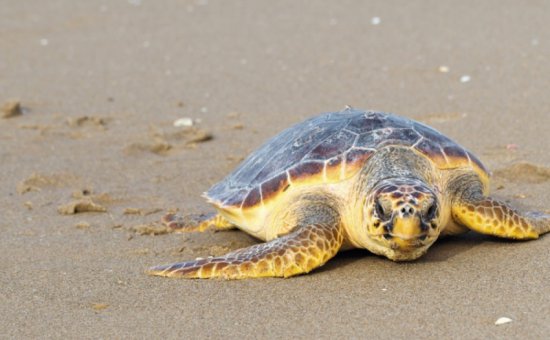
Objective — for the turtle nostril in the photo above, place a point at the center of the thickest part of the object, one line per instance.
(407, 211)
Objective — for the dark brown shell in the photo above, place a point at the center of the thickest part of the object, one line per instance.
(325, 144)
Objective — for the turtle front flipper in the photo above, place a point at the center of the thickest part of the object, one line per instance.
(196, 222)
(489, 216)
(309, 246)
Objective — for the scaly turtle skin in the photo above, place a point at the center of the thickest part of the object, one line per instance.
(350, 179)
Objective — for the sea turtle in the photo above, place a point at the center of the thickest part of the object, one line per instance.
(349, 179)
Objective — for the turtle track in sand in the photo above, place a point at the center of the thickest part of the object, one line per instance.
(524, 172)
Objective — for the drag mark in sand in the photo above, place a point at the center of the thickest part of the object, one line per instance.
(160, 142)
(442, 117)
(80, 206)
(524, 172)
(37, 182)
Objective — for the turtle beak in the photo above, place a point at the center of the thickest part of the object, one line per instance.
(407, 228)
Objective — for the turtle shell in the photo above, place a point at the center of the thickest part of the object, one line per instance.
(329, 148)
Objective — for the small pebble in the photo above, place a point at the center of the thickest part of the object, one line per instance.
(375, 21)
(502, 321)
(183, 122)
(233, 115)
(512, 147)
(11, 108)
(132, 211)
(44, 42)
(465, 79)
(99, 306)
(443, 69)
(82, 225)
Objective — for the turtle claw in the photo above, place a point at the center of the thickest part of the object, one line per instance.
(198, 269)
(157, 270)
(169, 270)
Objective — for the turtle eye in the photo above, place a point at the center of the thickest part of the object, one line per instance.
(380, 210)
(430, 214)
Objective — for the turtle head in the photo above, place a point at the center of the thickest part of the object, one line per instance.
(402, 218)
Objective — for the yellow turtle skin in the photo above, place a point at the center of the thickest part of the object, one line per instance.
(349, 179)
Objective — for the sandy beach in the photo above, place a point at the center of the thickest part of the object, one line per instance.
(94, 160)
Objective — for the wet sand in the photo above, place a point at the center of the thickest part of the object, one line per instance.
(101, 83)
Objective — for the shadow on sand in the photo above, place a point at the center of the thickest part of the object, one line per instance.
(442, 250)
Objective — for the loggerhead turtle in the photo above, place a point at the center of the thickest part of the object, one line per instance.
(350, 179)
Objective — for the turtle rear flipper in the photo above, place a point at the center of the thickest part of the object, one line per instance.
(300, 252)
(489, 216)
(316, 238)
(196, 222)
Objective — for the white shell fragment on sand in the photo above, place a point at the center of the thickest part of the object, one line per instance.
(465, 78)
(375, 21)
(183, 122)
(502, 321)
(443, 69)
